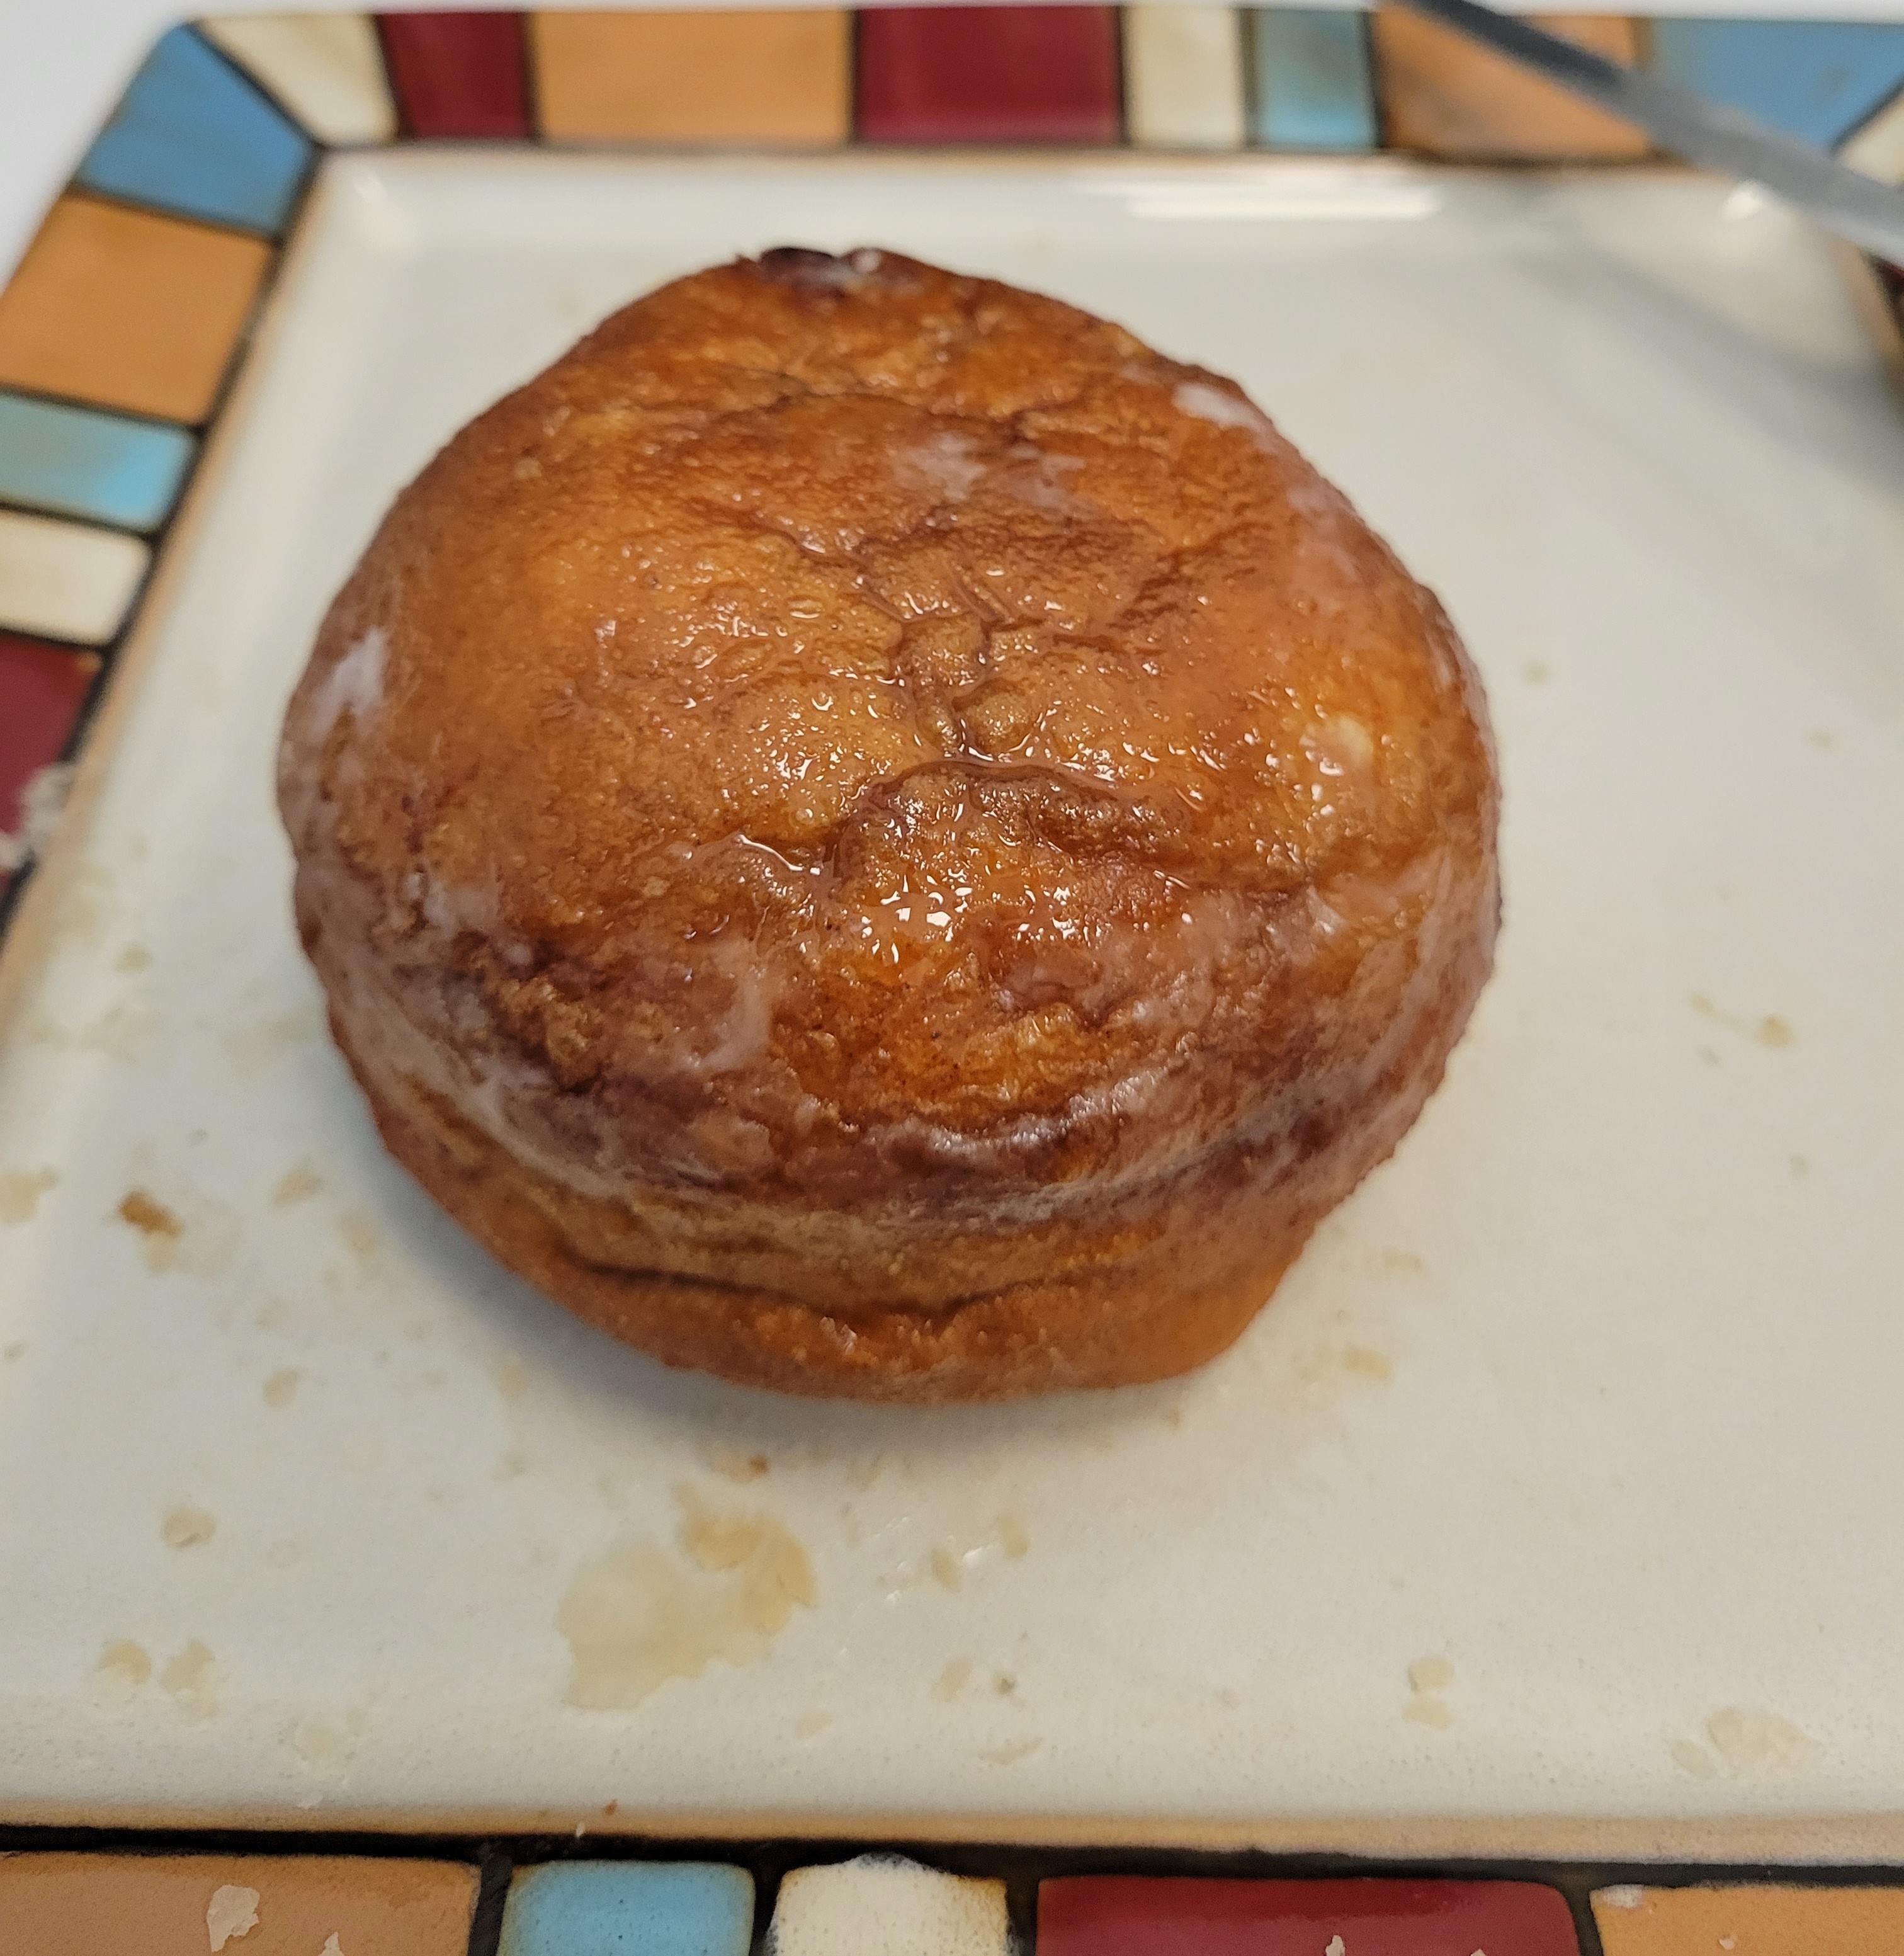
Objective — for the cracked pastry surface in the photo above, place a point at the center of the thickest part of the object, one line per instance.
(870, 833)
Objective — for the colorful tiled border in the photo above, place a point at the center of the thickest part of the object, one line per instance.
(564, 1897)
(120, 334)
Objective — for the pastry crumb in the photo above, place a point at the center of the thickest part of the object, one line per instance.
(232, 1912)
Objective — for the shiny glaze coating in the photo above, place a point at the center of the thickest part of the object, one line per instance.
(863, 799)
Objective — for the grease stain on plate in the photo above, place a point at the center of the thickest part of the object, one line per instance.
(251, 1046)
(1428, 1678)
(117, 1032)
(20, 1190)
(951, 1679)
(361, 1238)
(327, 1741)
(296, 1185)
(1772, 1031)
(191, 1680)
(635, 1615)
(953, 1557)
(123, 1667)
(736, 1463)
(1751, 1744)
(185, 1526)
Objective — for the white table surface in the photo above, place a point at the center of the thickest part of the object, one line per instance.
(66, 62)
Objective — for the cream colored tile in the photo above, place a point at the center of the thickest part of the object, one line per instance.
(67, 580)
(1877, 149)
(1183, 77)
(881, 1906)
(326, 68)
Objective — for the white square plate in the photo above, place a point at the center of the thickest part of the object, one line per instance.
(1592, 1392)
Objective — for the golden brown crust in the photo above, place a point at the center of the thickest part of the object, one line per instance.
(870, 833)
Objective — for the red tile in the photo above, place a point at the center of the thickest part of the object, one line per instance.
(41, 689)
(457, 74)
(1130, 1916)
(989, 75)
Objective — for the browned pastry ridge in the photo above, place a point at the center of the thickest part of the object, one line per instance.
(867, 833)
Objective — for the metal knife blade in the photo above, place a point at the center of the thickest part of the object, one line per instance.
(1867, 214)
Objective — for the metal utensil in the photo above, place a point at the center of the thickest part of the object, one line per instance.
(1867, 213)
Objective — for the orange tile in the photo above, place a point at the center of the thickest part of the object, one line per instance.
(761, 77)
(127, 309)
(184, 1905)
(1442, 95)
(1750, 1921)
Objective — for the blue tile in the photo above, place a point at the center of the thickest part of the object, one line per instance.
(629, 1908)
(192, 136)
(1310, 88)
(83, 463)
(1815, 80)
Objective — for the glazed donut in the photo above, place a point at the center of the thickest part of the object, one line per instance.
(870, 835)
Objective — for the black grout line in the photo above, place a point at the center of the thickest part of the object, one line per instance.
(1120, 54)
(767, 1893)
(1023, 1869)
(531, 78)
(91, 520)
(1586, 1929)
(492, 1891)
(405, 129)
(1021, 1912)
